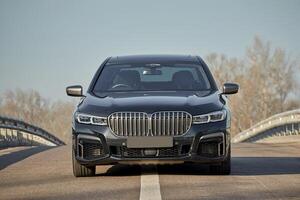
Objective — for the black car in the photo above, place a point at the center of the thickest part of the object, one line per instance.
(152, 109)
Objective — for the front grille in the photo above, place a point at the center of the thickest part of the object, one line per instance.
(131, 153)
(167, 123)
(169, 152)
(129, 123)
(139, 153)
(212, 146)
(208, 149)
(89, 149)
(170, 123)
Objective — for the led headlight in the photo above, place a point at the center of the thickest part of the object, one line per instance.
(90, 119)
(210, 117)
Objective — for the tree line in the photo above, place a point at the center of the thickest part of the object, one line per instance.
(31, 107)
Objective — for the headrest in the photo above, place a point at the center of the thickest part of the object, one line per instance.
(182, 75)
(131, 77)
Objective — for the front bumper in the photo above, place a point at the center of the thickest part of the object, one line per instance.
(94, 148)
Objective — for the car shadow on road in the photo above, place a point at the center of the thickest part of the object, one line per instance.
(241, 166)
(121, 170)
(11, 158)
(249, 166)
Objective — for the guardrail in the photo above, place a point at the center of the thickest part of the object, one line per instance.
(14, 132)
(286, 123)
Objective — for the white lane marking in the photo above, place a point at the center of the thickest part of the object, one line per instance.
(150, 188)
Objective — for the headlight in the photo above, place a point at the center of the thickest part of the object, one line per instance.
(90, 119)
(210, 117)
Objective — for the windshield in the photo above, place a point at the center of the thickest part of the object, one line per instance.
(152, 77)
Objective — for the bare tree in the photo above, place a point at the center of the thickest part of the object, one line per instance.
(266, 80)
(34, 109)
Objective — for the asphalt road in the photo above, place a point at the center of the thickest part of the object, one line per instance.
(260, 171)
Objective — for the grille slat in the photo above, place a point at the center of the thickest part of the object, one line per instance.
(167, 123)
(125, 122)
(121, 127)
(117, 122)
(163, 124)
(143, 125)
(134, 124)
(154, 125)
(130, 125)
(159, 123)
(139, 124)
(181, 121)
(177, 123)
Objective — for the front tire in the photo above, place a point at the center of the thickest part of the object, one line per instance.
(224, 168)
(81, 170)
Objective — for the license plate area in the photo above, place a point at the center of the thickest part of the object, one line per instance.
(150, 142)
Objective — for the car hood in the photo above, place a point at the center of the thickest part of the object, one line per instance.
(151, 102)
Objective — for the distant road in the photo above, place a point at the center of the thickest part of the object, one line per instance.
(260, 171)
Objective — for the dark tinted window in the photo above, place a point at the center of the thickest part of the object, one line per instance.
(152, 77)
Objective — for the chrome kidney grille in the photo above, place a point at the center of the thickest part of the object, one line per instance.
(170, 123)
(129, 123)
(166, 123)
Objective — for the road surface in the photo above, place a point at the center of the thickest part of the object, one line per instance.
(260, 171)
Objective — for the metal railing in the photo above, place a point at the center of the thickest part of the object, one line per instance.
(286, 123)
(14, 132)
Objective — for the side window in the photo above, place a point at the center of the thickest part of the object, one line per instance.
(105, 79)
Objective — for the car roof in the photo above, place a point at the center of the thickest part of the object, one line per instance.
(153, 59)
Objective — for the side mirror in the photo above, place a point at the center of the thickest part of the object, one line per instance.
(74, 91)
(230, 88)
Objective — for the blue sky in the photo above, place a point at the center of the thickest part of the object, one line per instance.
(47, 45)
